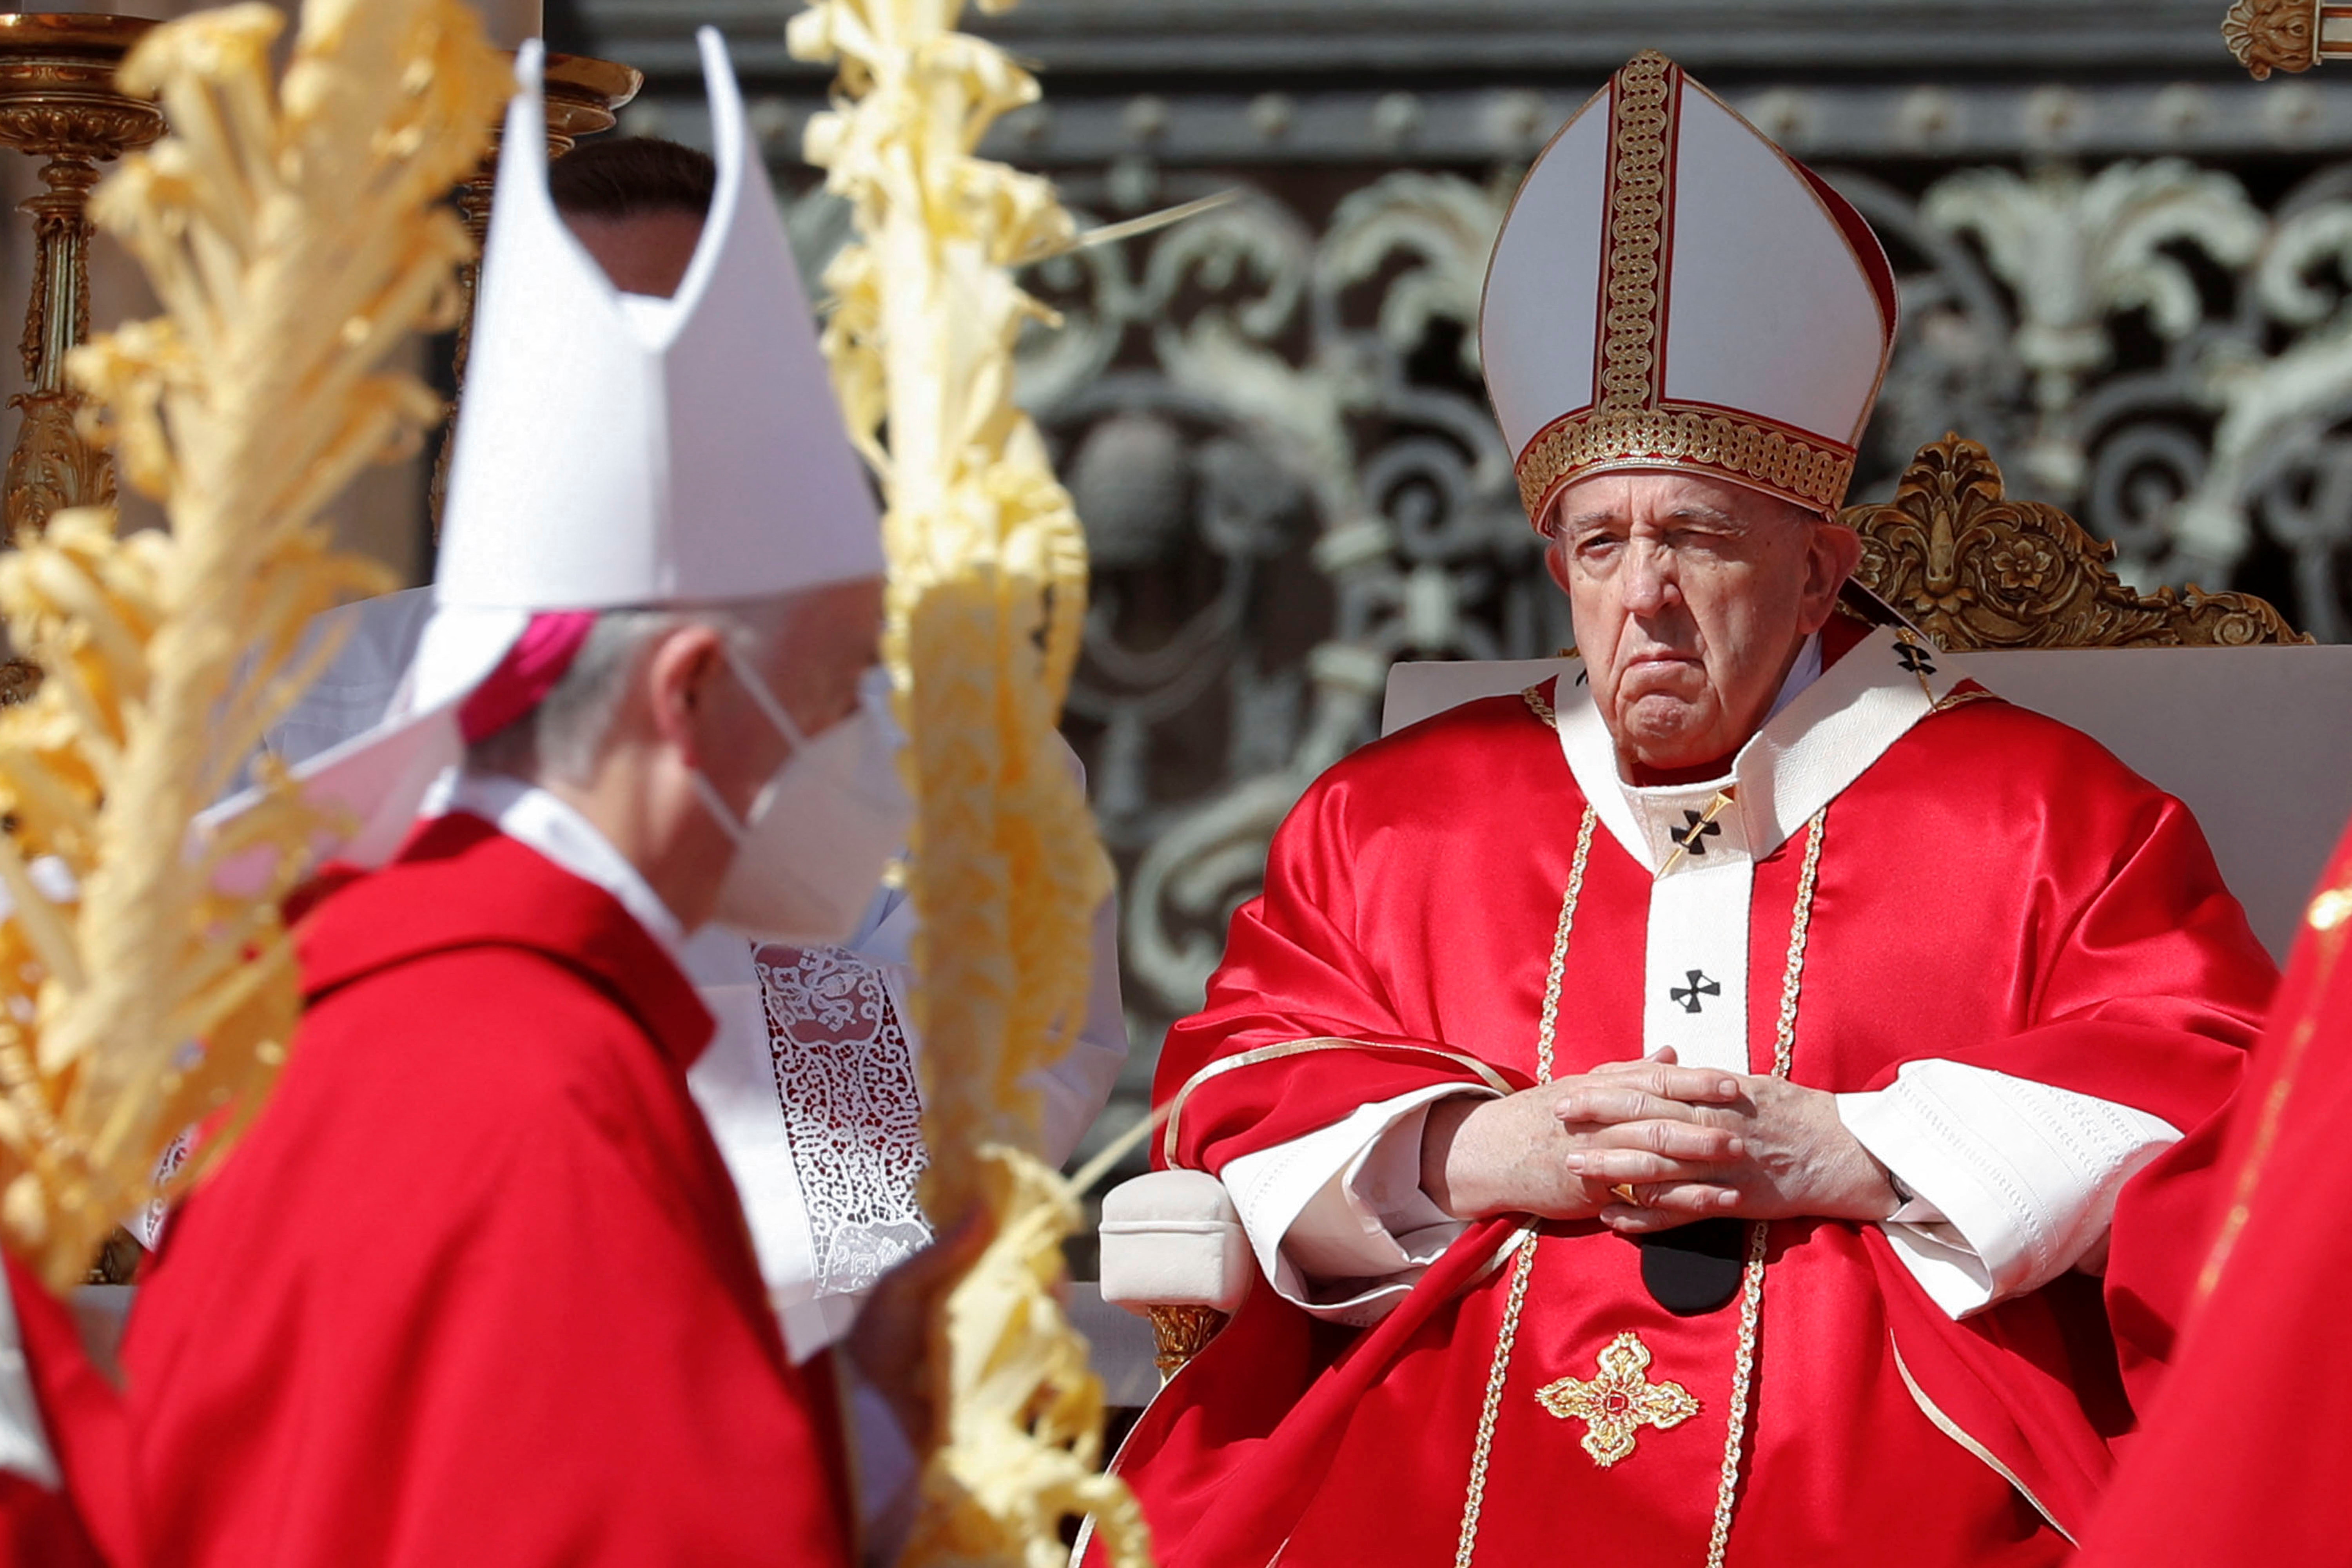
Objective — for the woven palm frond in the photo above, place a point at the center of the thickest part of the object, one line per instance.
(296, 233)
(987, 596)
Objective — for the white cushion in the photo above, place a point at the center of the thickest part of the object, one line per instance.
(1171, 1239)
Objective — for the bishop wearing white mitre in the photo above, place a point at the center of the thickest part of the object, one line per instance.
(1739, 1101)
(809, 1086)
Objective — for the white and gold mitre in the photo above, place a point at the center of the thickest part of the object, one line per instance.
(1671, 290)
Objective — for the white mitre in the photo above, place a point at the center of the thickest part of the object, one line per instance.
(614, 451)
(1671, 290)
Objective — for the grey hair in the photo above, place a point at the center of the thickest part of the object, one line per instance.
(563, 736)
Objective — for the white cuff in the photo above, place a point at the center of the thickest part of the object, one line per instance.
(1338, 1218)
(2016, 1181)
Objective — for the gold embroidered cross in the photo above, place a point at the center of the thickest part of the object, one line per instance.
(1615, 1406)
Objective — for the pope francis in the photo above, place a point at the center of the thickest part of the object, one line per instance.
(1738, 1102)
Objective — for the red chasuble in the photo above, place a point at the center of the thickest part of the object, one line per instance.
(1993, 889)
(2248, 1455)
(475, 1288)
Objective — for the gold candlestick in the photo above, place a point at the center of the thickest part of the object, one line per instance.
(58, 103)
(583, 96)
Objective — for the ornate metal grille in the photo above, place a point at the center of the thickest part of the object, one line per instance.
(2124, 270)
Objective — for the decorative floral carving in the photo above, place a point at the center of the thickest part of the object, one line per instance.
(1975, 569)
(2271, 35)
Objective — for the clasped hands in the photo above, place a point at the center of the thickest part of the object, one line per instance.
(1689, 1143)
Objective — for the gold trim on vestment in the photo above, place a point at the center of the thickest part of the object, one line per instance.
(1759, 1235)
(1752, 1292)
(1252, 1058)
(1951, 1429)
(2327, 919)
(1540, 707)
(1465, 1545)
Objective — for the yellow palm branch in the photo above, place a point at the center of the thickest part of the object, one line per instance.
(295, 233)
(988, 585)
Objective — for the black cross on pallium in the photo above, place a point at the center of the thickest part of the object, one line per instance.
(1914, 659)
(1687, 837)
(1689, 995)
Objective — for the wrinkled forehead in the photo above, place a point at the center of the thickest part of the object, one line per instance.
(1630, 496)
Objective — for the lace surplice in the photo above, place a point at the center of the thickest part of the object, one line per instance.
(846, 1077)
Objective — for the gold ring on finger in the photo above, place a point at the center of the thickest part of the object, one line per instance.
(1623, 1192)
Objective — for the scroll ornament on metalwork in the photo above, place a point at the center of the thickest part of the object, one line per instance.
(987, 596)
(296, 235)
(1975, 569)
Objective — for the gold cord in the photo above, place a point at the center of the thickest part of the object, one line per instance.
(1752, 1282)
(1751, 1285)
(1524, 1249)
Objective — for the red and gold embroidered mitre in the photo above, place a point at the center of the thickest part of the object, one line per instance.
(1671, 290)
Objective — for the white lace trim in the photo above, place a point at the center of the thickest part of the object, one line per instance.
(846, 1077)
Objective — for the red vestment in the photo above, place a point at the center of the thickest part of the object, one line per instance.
(2247, 1454)
(1995, 890)
(475, 1288)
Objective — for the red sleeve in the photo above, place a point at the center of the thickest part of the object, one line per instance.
(1297, 1030)
(2245, 1455)
(2148, 988)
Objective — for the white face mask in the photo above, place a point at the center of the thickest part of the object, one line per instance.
(811, 853)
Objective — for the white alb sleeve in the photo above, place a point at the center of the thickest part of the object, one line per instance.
(2015, 1181)
(1337, 1217)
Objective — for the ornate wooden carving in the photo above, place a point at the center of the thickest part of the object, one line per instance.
(1181, 1334)
(1975, 569)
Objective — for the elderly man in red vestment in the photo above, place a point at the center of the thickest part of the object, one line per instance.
(475, 1288)
(2247, 1457)
(1740, 1104)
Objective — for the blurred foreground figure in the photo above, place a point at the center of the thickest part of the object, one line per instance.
(810, 1085)
(475, 1289)
(1742, 1103)
(2247, 1456)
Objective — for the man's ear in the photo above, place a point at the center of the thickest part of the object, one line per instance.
(678, 686)
(1554, 559)
(1831, 553)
